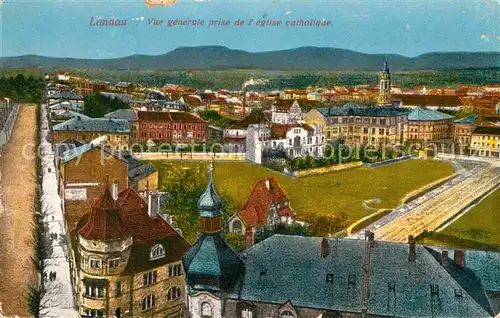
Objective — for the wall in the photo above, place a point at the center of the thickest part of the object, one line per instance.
(327, 169)
(8, 124)
(223, 156)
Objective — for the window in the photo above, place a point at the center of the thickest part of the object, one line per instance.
(173, 293)
(118, 288)
(92, 290)
(114, 263)
(95, 263)
(93, 313)
(148, 302)
(246, 313)
(206, 310)
(157, 251)
(149, 278)
(287, 314)
(174, 270)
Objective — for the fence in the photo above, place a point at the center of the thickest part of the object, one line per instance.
(8, 115)
(222, 156)
(388, 162)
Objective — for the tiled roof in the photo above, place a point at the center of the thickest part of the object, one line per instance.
(123, 84)
(126, 114)
(69, 114)
(73, 153)
(177, 117)
(105, 222)
(94, 125)
(489, 120)
(126, 98)
(140, 172)
(255, 209)
(290, 268)
(486, 130)
(428, 100)
(280, 130)
(146, 232)
(65, 95)
(353, 109)
(423, 114)
(255, 117)
(471, 119)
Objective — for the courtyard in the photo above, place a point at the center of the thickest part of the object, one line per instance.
(336, 192)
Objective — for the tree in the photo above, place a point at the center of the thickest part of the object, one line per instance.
(237, 241)
(326, 224)
(285, 229)
(99, 105)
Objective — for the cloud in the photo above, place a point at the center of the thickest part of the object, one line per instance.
(484, 36)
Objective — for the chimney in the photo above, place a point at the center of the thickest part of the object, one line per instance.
(411, 254)
(444, 258)
(244, 102)
(153, 203)
(249, 237)
(459, 258)
(114, 192)
(370, 236)
(325, 248)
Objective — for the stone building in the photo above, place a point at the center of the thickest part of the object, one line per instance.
(354, 124)
(462, 130)
(286, 112)
(428, 125)
(295, 140)
(170, 127)
(295, 276)
(126, 259)
(267, 206)
(115, 132)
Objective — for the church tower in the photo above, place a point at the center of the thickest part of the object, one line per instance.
(384, 95)
(212, 267)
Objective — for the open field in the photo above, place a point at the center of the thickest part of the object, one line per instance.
(17, 189)
(341, 191)
(481, 225)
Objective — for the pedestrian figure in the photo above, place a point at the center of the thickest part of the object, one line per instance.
(52, 218)
(50, 276)
(55, 274)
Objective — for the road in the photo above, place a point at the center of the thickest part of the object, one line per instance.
(436, 207)
(58, 301)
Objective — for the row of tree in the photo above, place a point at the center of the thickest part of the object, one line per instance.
(22, 89)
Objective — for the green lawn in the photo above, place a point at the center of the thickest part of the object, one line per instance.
(332, 192)
(481, 223)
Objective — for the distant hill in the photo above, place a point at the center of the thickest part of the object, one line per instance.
(303, 58)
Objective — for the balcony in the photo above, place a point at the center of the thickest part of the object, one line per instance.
(93, 303)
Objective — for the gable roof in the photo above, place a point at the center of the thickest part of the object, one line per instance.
(73, 153)
(126, 114)
(175, 117)
(283, 268)
(428, 100)
(255, 209)
(424, 114)
(279, 131)
(486, 130)
(105, 125)
(255, 117)
(353, 109)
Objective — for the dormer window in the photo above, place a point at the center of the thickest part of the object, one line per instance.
(206, 310)
(157, 252)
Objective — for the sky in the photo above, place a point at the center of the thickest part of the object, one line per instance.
(60, 28)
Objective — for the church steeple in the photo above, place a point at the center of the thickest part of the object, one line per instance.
(210, 207)
(384, 95)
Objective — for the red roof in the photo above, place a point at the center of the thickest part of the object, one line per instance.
(260, 199)
(280, 130)
(105, 222)
(177, 117)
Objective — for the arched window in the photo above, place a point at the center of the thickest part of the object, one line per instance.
(287, 314)
(173, 293)
(237, 227)
(206, 310)
(157, 251)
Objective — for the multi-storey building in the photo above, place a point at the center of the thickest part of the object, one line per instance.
(170, 127)
(295, 276)
(462, 130)
(286, 112)
(354, 124)
(295, 140)
(428, 125)
(234, 137)
(126, 259)
(115, 132)
(267, 206)
(485, 141)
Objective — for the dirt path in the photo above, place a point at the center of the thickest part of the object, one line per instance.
(17, 189)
